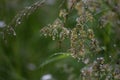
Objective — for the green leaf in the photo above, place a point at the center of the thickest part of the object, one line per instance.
(54, 57)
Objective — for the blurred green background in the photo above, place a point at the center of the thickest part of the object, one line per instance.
(22, 55)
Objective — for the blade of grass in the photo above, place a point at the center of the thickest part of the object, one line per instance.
(54, 57)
